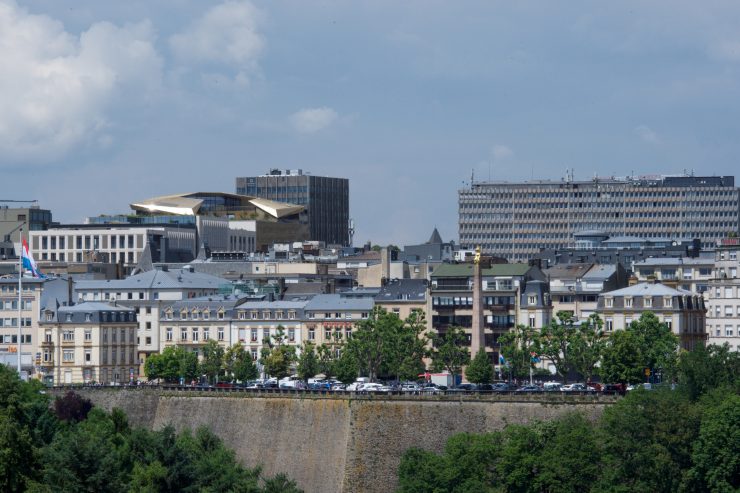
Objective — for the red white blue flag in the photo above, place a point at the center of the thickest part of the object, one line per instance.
(28, 262)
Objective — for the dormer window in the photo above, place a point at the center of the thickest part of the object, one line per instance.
(88, 317)
(609, 302)
(221, 314)
(49, 316)
(628, 302)
(532, 299)
(648, 302)
(69, 317)
(183, 314)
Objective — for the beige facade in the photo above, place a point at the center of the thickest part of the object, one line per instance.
(30, 304)
(683, 312)
(723, 316)
(89, 342)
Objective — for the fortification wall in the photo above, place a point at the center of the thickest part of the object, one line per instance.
(335, 443)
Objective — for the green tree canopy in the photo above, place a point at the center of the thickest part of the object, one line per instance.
(173, 363)
(517, 347)
(278, 357)
(480, 369)
(308, 362)
(213, 360)
(449, 351)
(239, 364)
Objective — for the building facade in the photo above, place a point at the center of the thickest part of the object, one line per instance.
(682, 311)
(326, 200)
(688, 274)
(29, 319)
(88, 342)
(32, 218)
(723, 315)
(511, 294)
(516, 220)
(330, 318)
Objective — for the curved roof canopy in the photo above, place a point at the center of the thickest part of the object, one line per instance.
(204, 203)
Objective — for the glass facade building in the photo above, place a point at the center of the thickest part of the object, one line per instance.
(326, 200)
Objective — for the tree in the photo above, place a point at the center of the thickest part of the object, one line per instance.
(239, 364)
(410, 347)
(622, 360)
(706, 368)
(327, 359)
(213, 360)
(374, 342)
(647, 344)
(588, 346)
(173, 363)
(278, 356)
(480, 369)
(517, 347)
(716, 455)
(346, 367)
(308, 363)
(449, 352)
(557, 340)
(72, 407)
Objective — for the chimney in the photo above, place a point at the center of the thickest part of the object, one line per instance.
(70, 290)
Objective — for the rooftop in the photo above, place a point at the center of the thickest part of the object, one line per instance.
(466, 270)
(648, 289)
(332, 302)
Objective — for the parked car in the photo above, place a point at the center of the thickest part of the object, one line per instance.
(504, 387)
(529, 388)
(577, 387)
(614, 388)
(410, 388)
(373, 387)
(552, 386)
(464, 387)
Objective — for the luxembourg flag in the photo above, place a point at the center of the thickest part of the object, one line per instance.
(28, 262)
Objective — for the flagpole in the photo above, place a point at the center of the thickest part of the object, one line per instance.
(20, 300)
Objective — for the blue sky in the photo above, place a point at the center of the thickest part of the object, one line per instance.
(105, 103)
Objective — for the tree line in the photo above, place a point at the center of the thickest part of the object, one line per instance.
(71, 446)
(683, 440)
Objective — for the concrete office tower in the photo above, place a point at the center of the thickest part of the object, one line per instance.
(33, 218)
(326, 200)
(516, 220)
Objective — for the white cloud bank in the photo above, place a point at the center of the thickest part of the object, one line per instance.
(227, 35)
(56, 86)
(311, 120)
(647, 134)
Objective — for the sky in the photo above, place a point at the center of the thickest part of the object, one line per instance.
(106, 103)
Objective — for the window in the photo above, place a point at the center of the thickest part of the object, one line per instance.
(220, 314)
(148, 326)
(668, 321)
(728, 311)
(532, 321)
(168, 334)
(220, 333)
(628, 302)
(254, 335)
(291, 335)
(609, 324)
(279, 314)
(265, 335)
(609, 302)
(291, 314)
(88, 335)
(365, 315)
(88, 356)
(183, 334)
(311, 334)
(148, 341)
(532, 300)
(627, 322)
(206, 333)
(728, 331)
(68, 356)
(667, 302)
(206, 314)
(68, 336)
(648, 302)
(327, 334)
(196, 335)
(348, 332)
(254, 315)
(254, 354)
(728, 292)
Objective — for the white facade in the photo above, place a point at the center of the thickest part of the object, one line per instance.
(723, 316)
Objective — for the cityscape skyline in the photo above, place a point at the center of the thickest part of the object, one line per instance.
(406, 101)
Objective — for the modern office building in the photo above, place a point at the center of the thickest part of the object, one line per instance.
(326, 200)
(517, 220)
(32, 218)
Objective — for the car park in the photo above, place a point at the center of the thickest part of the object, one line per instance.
(529, 388)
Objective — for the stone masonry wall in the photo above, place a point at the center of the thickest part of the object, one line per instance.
(335, 443)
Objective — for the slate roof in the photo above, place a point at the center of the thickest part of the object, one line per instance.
(157, 279)
(334, 302)
(648, 289)
(568, 271)
(600, 272)
(674, 261)
(403, 290)
(435, 239)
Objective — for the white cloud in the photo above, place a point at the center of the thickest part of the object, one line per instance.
(647, 134)
(310, 120)
(500, 151)
(226, 35)
(56, 87)
(726, 51)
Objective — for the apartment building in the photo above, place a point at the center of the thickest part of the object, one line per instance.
(516, 220)
(511, 293)
(403, 296)
(258, 321)
(682, 311)
(147, 293)
(29, 319)
(688, 274)
(330, 318)
(575, 288)
(723, 315)
(88, 342)
(191, 323)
